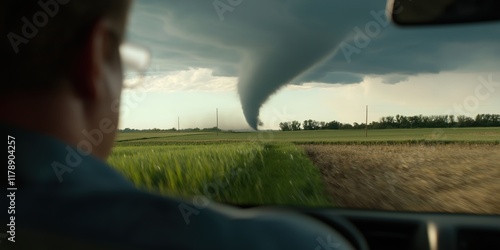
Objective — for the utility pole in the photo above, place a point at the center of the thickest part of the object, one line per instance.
(366, 122)
(178, 124)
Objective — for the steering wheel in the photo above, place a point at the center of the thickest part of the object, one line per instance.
(344, 227)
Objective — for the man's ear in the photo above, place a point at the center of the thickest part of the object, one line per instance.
(90, 62)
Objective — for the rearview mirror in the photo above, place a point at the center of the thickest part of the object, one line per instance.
(432, 12)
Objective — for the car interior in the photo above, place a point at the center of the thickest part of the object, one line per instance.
(365, 229)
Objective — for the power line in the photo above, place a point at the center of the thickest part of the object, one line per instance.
(366, 122)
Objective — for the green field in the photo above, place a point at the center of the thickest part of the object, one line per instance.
(255, 167)
(238, 173)
(489, 135)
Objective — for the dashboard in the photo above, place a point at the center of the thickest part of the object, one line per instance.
(391, 230)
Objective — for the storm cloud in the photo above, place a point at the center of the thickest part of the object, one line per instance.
(268, 44)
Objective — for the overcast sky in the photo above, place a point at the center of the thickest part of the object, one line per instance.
(283, 60)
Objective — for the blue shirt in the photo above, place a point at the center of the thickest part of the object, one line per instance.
(63, 195)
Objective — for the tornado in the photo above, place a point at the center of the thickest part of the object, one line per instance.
(266, 72)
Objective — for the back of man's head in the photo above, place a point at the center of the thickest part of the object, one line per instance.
(43, 38)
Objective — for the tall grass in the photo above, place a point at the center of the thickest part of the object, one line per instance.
(238, 173)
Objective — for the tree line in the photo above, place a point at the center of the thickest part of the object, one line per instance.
(400, 121)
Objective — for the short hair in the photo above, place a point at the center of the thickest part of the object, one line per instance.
(43, 38)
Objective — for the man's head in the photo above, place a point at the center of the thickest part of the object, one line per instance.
(64, 54)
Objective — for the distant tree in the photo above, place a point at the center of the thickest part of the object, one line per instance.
(322, 125)
(356, 125)
(487, 120)
(404, 122)
(451, 121)
(211, 129)
(333, 125)
(285, 126)
(307, 125)
(346, 126)
(295, 126)
(374, 125)
(398, 121)
(311, 125)
(435, 121)
(464, 121)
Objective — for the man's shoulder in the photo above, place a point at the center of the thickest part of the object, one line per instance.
(141, 220)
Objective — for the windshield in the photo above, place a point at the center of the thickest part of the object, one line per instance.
(312, 103)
